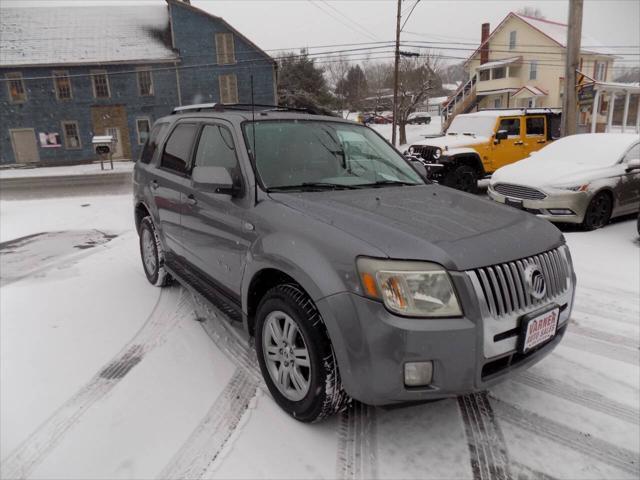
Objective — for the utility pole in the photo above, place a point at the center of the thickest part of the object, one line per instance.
(395, 76)
(570, 101)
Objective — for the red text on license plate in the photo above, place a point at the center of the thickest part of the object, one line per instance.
(540, 329)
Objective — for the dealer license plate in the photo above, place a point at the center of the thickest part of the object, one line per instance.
(513, 203)
(540, 329)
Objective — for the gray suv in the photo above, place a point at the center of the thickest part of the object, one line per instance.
(355, 276)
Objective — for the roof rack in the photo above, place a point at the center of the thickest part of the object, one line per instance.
(523, 109)
(221, 107)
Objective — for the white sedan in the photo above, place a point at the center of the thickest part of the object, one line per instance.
(585, 179)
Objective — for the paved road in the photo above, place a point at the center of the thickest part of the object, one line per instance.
(65, 186)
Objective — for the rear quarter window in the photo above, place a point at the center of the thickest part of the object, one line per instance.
(151, 145)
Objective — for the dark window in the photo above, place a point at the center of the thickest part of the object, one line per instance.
(145, 82)
(16, 87)
(176, 152)
(71, 135)
(535, 126)
(142, 125)
(512, 40)
(511, 125)
(484, 75)
(62, 84)
(499, 72)
(100, 85)
(154, 139)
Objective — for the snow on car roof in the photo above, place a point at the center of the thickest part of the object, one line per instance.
(595, 147)
(95, 34)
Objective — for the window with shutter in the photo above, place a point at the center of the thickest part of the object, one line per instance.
(225, 50)
(228, 88)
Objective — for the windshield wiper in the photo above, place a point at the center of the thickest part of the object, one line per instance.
(386, 183)
(312, 185)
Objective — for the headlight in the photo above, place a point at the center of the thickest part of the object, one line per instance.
(572, 187)
(416, 289)
(411, 150)
(437, 154)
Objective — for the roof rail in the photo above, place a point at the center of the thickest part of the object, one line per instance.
(221, 107)
(523, 109)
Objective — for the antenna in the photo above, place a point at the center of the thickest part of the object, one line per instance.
(253, 127)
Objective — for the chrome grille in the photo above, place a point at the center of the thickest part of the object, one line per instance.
(519, 191)
(504, 287)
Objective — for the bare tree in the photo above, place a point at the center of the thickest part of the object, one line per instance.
(336, 73)
(379, 75)
(418, 78)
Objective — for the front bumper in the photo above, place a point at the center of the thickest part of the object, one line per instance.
(372, 345)
(576, 202)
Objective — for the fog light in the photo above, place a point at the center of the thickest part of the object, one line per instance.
(418, 374)
(561, 211)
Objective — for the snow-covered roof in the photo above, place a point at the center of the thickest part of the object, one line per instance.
(558, 33)
(530, 90)
(84, 35)
(500, 63)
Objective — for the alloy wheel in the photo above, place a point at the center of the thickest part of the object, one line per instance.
(149, 251)
(286, 355)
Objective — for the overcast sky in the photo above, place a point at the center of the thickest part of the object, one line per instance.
(291, 24)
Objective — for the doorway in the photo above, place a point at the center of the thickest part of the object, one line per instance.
(25, 145)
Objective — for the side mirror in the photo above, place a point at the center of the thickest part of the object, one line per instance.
(633, 164)
(420, 167)
(501, 135)
(214, 180)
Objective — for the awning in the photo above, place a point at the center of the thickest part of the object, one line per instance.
(499, 63)
(529, 91)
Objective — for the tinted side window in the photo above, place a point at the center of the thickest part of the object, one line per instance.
(216, 149)
(511, 125)
(176, 151)
(535, 126)
(151, 145)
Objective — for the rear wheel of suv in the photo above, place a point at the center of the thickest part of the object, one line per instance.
(152, 254)
(598, 212)
(462, 178)
(296, 357)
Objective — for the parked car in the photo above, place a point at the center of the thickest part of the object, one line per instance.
(477, 144)
(419, 118)
(586, 179)
(354, 276)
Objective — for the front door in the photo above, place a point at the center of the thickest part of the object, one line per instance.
(25, 146)
(512, 148)
(629, 185)
(214, 238)
(112, 120)
(117, 141)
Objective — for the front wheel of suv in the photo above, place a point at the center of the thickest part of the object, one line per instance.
(462, 178)
(296, 357)
(152, 254)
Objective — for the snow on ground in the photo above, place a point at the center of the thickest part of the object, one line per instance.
(87, 169)
(104, 376)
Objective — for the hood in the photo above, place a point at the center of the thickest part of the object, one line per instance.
(430, 222)
(539, 172)
(453, 141)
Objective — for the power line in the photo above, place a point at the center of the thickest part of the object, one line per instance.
(339, 19)
(409, 16)
(358, 25)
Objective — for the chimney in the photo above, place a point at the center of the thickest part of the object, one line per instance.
(484, 46)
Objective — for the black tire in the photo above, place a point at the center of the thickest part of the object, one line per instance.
(156, 272)
(598, 212)
(462, 177)
(325, 395)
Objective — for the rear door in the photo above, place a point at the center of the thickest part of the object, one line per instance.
(169, 182)
(535, 134)
(512, 148)
(213, 231)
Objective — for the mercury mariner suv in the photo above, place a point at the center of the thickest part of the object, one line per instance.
(354, 276)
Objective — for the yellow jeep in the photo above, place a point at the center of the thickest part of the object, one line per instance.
(478, 143)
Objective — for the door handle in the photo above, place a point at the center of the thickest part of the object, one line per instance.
(542, 141)
(154, 184)
(519, 142)
(191, 200)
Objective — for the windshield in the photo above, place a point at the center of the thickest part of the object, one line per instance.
(478, 125)
(307, 153)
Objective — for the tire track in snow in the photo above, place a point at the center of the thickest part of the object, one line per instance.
(172, 306)
(580, 396)
(357, 443)
(618, 340)
(213, 432)
(607, 350)
(487, 447)
(576, 440)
